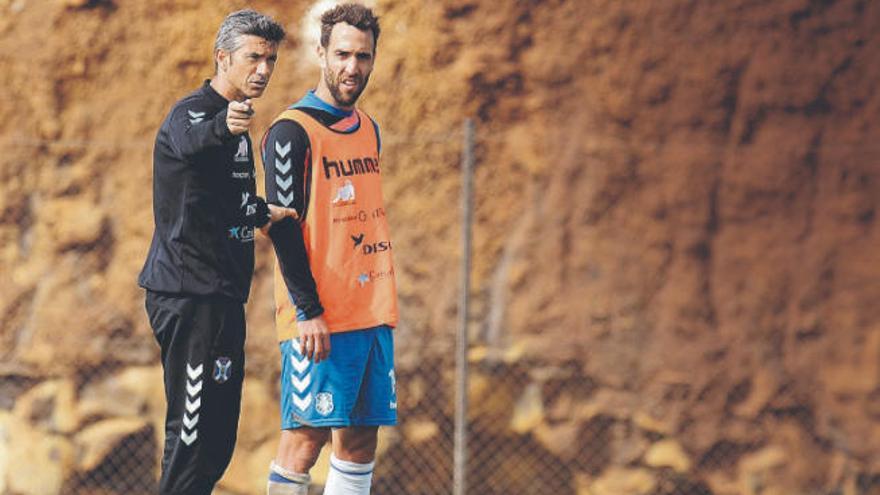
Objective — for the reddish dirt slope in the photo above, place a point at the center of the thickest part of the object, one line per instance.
(676, 198)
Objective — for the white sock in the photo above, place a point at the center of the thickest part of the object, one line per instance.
(348, 478)
(285, 482)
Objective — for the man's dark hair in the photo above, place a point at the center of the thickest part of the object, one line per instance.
(350, 13)
(246, 22)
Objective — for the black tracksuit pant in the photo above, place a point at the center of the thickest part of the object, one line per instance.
(202, 341)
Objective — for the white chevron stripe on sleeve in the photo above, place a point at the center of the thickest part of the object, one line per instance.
(282, 151)
(195, 115)
(286, 199)
(283, 184)
(282, 167)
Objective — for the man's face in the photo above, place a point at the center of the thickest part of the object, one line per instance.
(248, 69)
(347, 62)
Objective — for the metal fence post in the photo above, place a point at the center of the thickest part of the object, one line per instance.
(461, 378)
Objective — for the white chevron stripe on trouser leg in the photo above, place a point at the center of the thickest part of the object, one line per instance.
(189, 432)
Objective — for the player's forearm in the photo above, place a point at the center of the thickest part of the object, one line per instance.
(293, 261)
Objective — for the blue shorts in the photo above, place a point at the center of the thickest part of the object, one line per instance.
(355, 386)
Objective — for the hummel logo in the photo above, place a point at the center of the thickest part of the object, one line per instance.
(358, 240)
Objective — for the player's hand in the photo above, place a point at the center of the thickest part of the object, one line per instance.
(314, 339)
(277, 214)
(238, 116)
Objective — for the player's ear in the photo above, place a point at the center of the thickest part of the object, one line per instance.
(222, 58)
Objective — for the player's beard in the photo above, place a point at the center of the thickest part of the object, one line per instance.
(332, 82)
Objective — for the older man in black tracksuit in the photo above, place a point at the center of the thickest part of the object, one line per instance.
(198, 271)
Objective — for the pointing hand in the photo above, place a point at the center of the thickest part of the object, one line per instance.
(238, 116)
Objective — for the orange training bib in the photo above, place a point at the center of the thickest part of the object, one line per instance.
(345, 231)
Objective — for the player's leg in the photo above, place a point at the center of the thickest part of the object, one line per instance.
(354, 448)
(169, 320)
(224, 378)
(314, 397)
(200, 339)
(352, 461)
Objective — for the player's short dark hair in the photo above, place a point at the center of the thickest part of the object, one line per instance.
(246, 22)
(350, 13)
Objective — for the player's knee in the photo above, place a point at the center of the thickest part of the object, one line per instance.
(308, 452)
(300, 450)
(310, 446)
(357, 445)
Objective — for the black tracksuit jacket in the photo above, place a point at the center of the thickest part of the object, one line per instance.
(204, 203)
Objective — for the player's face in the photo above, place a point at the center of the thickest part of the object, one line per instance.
(346, 63)
(248, 68)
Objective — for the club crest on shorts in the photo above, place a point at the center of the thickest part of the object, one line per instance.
(222, 368)
(324, 403)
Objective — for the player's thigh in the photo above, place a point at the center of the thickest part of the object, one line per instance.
(377, 402)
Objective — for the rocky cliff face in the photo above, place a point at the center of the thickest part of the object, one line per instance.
(676, 248)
